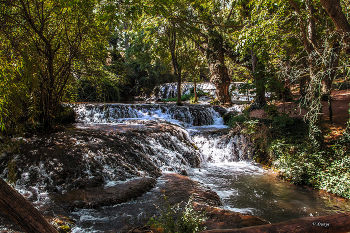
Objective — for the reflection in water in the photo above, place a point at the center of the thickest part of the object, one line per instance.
(248, 188)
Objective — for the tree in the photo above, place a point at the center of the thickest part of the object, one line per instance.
(339, 19)
(21, 211)
(49, 38)
(171, 33)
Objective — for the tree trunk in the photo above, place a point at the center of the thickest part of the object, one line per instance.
(21, 211)
(260, 100)
(302, 86)
(337, 223)
(195, 90)
(178, 102)
(340, 21)
(311, 25)
(334, 62)
(287, 94)
(177, 69)
(218, 70)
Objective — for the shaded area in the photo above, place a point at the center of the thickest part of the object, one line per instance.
(337, 223)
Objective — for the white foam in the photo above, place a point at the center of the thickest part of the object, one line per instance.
(251, 211)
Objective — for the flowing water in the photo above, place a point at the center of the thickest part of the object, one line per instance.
(227, 168)
(169, 90)
(246, 187)
(185, 133)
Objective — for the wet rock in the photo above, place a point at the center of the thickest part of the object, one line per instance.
(82, 158)
(179, 188)
(220, 109)
(187, 114)
(99, 196)
(219, 218)
(184, 173)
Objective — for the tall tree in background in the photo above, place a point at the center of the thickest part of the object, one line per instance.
(171, 33)
(47, 38)
(339, 19)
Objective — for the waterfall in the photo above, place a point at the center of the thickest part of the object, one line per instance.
(169, 90)
(218, 146)
(203, 122)
(188, 115)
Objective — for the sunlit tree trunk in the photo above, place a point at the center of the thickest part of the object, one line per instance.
(216, 60)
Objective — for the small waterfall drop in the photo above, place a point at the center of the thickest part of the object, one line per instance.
(204, 124)
(187, 115)
(221, 146)
(169, 90)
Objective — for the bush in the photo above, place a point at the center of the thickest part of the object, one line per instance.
(183, 98)
(237, 119)
(65, 115)
(200, 92)
(100, 89)
(174, 219)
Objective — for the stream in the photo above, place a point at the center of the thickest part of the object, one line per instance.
(227, 168)
(154, 139)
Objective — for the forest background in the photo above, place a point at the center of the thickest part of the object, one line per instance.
(107, 51)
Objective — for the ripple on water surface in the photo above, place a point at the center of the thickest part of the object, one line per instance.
(246, 187)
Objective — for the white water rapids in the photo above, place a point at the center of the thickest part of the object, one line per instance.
(185, 133)
(228, 169)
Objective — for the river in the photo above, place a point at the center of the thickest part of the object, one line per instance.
(187, 133)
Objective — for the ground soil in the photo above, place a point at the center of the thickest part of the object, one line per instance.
(340, 106)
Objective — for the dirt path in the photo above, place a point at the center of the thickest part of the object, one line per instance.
(340, 106)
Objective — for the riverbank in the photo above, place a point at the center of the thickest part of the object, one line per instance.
(282, 142)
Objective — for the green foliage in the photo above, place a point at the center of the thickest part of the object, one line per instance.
(247, 88)
(65, 115)
(283, 143)
(45, 42)
(283, 120)
(12, 96)
(176, 219)
(183, 98)
(193, 100)
(200, 92)
(65, 228)
(297, 163)
(101, 89)
(271, 110)
(336, 177)
(239, 119)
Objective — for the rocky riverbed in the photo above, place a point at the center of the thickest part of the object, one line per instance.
(92, 169)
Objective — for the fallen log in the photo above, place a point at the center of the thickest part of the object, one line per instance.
(335, 223)
(22, 211)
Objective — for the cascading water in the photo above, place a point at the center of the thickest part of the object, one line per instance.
(116, 143)
(228, 169)
(169, 90)
(119, 113)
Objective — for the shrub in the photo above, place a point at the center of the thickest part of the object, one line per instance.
(183, 98)
(200, 92)
(234, 120)
(65, 115)
(102, 89)
(174, 219)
